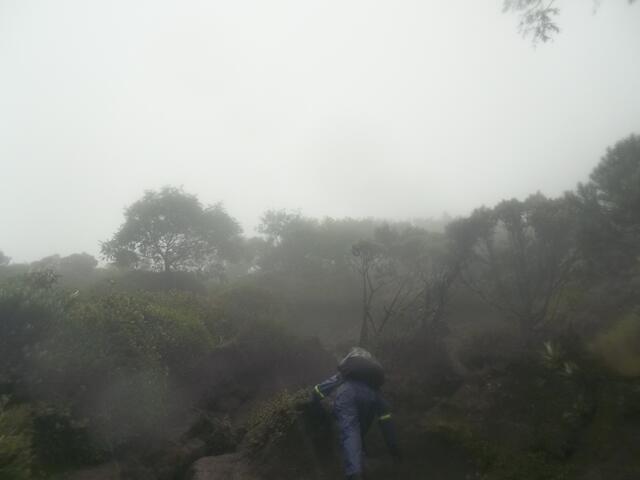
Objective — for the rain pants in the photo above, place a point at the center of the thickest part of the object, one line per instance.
(355, 407)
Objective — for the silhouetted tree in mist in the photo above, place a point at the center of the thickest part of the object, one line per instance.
(405, 274)
(432, 267)
(518, 255)
(50, 262)
(80, 263)
(370, 264)
(609, 207)
(538, 18)
(291, 242)
(76, 263)
(297, 244)
(170, 230)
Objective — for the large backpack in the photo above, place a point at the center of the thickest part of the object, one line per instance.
(360, 365)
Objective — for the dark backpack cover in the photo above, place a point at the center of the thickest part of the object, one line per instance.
(361, 366)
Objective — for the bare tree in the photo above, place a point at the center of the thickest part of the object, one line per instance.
(518, 256)
(404, 275)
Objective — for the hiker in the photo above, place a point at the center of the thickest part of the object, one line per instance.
(357, 403)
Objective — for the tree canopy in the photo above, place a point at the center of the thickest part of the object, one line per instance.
(405, 273)
(171, 230)
(610, 208)
(537, 18)
(518, 255)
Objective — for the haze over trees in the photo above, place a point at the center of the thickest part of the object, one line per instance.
(170, 230)
(405, 273)
(162, 341)
(610, 206)
(528, 302)
(518, 255)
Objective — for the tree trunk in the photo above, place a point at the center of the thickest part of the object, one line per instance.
(364, 328)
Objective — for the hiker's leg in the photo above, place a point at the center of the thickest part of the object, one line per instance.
(350, 438)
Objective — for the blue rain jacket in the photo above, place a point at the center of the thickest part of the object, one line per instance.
(355, 407)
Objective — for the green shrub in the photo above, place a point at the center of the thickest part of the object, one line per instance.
(289, 437)
(30, 307)
(203, 309)
(122, 334)
(499, 462)
(113, 360)
(619, 347)
(275, 419)
(61, 440)
(16, 455)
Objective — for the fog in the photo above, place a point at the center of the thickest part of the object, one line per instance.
(383, 109)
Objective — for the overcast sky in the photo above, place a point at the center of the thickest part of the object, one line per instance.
(397, 109)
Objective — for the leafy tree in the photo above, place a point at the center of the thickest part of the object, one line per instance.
(78, 263)
(77, 270)
(4, 260)
(609, 206)
(400, 270)
(292, 241)
(295, 243)
(170, 230)
(51, 262)
(518, 256)
(275, 225)
(616, 181)
(537, 18)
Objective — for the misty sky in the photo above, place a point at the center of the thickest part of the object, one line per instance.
(393, 109)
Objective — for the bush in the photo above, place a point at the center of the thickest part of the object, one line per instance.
(16, 456)
(30, 307)
(113, 360)
(290, 437)
(61, 440)
(123, 334)
(500, 462)
(619, 347)
(275, 419)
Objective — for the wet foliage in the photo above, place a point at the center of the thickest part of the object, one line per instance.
(509, 339)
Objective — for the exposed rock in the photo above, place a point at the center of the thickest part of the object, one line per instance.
(217, 433)
(223, 467)
(176, 461)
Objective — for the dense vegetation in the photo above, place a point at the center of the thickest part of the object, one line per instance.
(511, 338)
